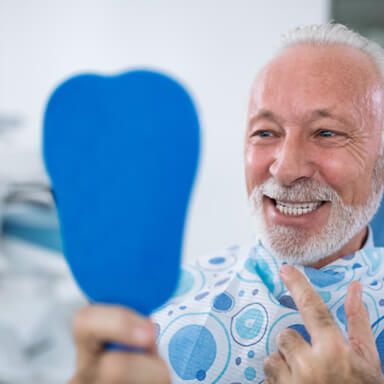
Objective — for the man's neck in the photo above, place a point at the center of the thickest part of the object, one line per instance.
(356, 243)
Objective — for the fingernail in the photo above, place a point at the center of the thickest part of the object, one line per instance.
(141, 334)
(286, 270)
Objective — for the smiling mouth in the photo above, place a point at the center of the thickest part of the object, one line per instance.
(296, 208)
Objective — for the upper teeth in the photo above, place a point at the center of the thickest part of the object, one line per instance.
(296, 208)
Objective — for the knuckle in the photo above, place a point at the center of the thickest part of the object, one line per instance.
(312, 302)
(302, 363)
(338, 349)
(325, 318)
(286, 337)
(356, 344)
(110, 369)
(307, 299)
(124, 319)
(270, 364)
(81, 321)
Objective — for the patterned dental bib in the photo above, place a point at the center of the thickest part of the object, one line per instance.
(229, 306)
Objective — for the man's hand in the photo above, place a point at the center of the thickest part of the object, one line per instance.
(96, 325)
(330, 358)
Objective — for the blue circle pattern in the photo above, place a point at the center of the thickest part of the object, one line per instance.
(287, 301)
(217, 260)
(201, 375)
(250, 373)
(201, 296)
(193, 350)
(248, 326)
(223, 302)
(196, 342)
(324, 278)
(255, 320)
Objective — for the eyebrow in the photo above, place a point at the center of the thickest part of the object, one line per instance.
(314, 115)
(320, 113)
(263, 114)
(327, 113)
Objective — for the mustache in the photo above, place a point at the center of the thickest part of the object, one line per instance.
(302, 190)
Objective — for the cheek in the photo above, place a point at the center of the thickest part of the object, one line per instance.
(347, 178)
(257, 162)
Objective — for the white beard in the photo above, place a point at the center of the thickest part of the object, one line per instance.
(344, 222)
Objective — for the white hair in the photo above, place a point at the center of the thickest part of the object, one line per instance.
(323, 34)
(332, 33)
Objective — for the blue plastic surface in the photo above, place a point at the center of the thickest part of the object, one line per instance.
(122, 154)
(377, 225)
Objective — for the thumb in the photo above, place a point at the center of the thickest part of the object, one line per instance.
(359, 327)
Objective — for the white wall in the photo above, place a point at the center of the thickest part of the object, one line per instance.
(214, 46)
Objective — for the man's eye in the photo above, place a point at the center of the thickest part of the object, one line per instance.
(326, 133)
(263, 134)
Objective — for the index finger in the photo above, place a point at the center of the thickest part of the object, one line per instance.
(316, 316)
(360, 333)
(96, 325)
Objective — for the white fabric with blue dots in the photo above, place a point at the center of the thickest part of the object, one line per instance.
(223, 320)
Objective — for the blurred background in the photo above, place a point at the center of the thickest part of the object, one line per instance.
(214, 47)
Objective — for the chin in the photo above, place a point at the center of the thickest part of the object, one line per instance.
(295, 246)
(292, 244)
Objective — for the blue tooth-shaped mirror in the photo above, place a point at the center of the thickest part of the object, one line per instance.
(122, 153)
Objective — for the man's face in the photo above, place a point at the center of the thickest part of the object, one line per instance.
(313, 171)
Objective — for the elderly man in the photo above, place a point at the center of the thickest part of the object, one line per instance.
(315, 173)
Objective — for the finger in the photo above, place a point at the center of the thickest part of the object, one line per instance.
(96, 325)
(120, 367)
(276, 369)
(359, 327)
(316, 316)
(292, 346)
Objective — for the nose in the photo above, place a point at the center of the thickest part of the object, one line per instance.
(292, 162)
